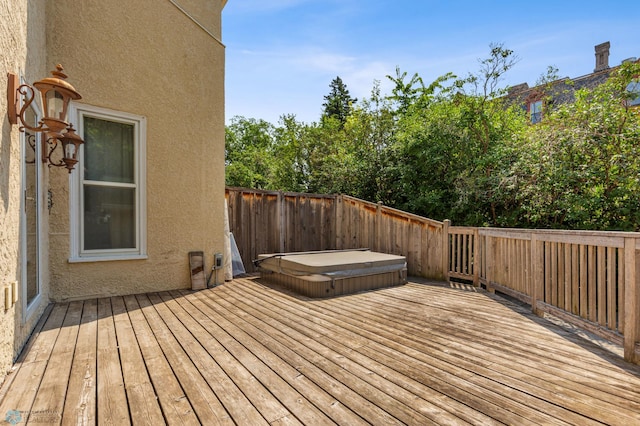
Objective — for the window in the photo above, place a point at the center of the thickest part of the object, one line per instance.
(634, 89)
(535, 111)
(108, 189)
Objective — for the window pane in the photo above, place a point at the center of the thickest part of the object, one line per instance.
(108, 150)
(109, 218)
(535, 109)
(31, 209)
(634, 89)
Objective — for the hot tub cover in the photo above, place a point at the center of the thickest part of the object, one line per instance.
(332, 263)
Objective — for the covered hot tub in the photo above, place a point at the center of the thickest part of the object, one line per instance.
(333, 272)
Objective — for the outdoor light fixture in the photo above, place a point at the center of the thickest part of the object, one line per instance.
(56, 94)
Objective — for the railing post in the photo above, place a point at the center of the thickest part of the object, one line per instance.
(490, 261)
(476, 258)
(377, 243)
(281, 222)
(537, 279)
(631, 304)
(445, 249)
(339, 213)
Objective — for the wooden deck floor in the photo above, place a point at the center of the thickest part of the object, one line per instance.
(244, 353)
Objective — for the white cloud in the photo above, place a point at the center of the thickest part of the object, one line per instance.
(316, 60)
(360, 79)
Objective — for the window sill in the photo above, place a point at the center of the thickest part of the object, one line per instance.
(113, 258)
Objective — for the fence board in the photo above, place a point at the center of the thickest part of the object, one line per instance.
(592, 283)
(547, 273)
(602, 286)
(583, 281)
(554, 274)
(630, 300)
(612, 322)
(560, 276)
(575, 279)
(567, 277)
(621, 292)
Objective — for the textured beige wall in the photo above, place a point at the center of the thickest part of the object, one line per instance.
(146, 57)
(22, 47)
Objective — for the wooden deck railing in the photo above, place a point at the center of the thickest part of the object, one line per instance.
(591, 279)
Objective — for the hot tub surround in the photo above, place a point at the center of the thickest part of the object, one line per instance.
(333, 272)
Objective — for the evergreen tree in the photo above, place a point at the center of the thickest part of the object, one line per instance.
(338, 102)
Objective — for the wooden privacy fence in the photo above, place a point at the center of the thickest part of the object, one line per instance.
(590, 279)
(279, 222)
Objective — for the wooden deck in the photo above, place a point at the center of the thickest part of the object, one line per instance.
(244, 353)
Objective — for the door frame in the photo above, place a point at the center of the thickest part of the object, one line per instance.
(29, 309)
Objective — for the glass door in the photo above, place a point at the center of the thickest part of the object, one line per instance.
(31, 209)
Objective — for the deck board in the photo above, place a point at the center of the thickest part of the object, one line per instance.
(34, 364)
(111, 395)
(377, 348)
(80, 406)
(249, 353)
(309, 392)
(252, 389)
(50, 397)
(144, 407)
(208, 356)
(341, 361)
(206, 404)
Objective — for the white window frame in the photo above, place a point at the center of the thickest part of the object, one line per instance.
(76, 196)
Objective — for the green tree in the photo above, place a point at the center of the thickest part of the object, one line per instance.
(453, 142)
(455, 149)
(338, 102)
(580, 166)
(369, 134)
(291, 167)
(403, 95)
(249, 159)
(330, 161)
(551, 75)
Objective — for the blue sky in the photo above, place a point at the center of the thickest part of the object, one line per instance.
(281, 55)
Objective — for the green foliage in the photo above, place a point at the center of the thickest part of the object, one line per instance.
(291, 153)
(456, 149)
(249, 153)
(338, 102)
(551, 75)
(369, 133)
(581, 167)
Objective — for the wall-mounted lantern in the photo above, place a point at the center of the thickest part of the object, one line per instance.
(56, 94)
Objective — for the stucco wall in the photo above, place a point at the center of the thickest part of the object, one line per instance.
(22, 43)
(147, 57)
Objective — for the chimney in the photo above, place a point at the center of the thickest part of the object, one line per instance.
(602, 56)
